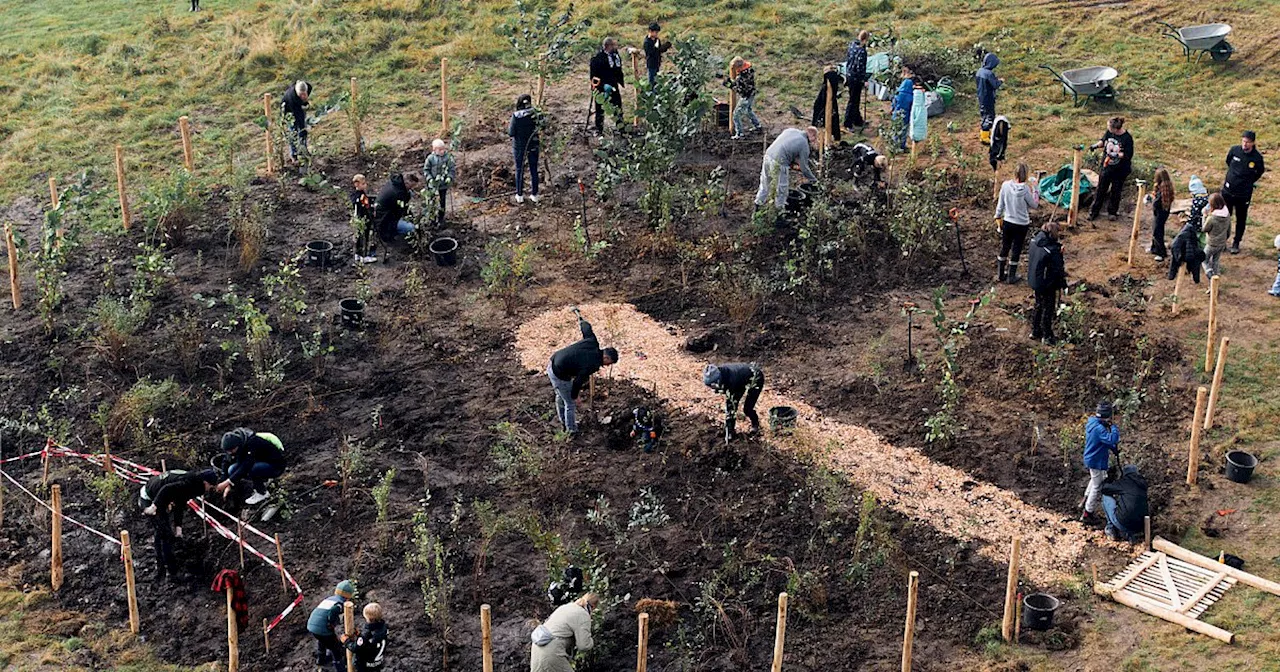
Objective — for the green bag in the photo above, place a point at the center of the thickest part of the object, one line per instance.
(1056, 188)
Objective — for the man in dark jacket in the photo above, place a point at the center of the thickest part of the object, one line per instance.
(607, 81)
(737, 382)
(988, 84)
(654, 48)
(371, 643)
(393, 204)
(570, 369)
(294, 105)
(327, 626)
(256, 456)
(855, 76)
(1046, 273)
(1125, 503)
(163, 498)
(1244, 167)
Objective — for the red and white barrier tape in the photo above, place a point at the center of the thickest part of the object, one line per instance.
(139, 473)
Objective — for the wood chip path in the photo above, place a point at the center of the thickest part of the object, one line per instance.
(652, 356)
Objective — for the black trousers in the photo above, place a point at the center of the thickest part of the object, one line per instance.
(444, 199)
(1161, 217)
(1110, 185)
(195, 5)
(1046, 310)
(166, 560)
(749, 398)
(330, 650)
(615, 98)
(853, 108)
(1240, 208)
(1012, 238)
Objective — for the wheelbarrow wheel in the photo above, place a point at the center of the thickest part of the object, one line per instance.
(1221, 51)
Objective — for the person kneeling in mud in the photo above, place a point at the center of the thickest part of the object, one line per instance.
(738, 383)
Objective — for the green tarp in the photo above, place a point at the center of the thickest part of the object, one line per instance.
(1056, 188)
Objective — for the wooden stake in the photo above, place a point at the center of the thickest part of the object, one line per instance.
(909, 631)
(1146, 531)
(233, 637)
(106, 455)
(642, 645)
(542, 80)
(1094, 567)
(733, 104)
(53, 192)
(280, 561)
(271, 152)
(635, 74)
(830, 132)
(1193, 456)
(1213, 324)
(126, 551)
(1011, 589)
(349, 627)
(44, 460)
(486, 639)
(163, 469)
(444, 98)
(1017, 620)
(1, 501)
(355, 119)
(1137, 221)
(55, 552)
(240, 539)
(15, 287)
(125, 218)
(780, 634)
(266, 636)
(995, 191)
(1177, 289)
(1074, 212)
(1217, 382)
(188, 156)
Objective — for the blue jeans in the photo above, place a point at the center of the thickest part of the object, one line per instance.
(565, 410)
(1275, 288)
(744, 112)
(404, 227)
(1113, 524)
(259, 473)
(653, 76)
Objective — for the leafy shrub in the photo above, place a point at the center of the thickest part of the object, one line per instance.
(117, 324)
(169, 206)
(508, 268)
(514, 455)
(136, 412)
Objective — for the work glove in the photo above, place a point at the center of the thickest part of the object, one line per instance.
(608, 88)
(150, 510)
(177, 532)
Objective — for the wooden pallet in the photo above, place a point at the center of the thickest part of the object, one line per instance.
(1172, 584)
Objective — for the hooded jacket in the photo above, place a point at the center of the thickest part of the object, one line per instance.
(440, 170)
(523, 129)
(904, 98)
(1099, 441)
(294, 105)
(1046, 269)
(391, 206)
(1185, 249)
(172, 489)
(1130, 493)
(257, 447)
(578, 361)
(1217, 227)
(1017, 200)
(987, 83)
(326, 618)
(836, 82)
(791, 146)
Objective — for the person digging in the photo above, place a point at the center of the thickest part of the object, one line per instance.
(738, 383)
(327, 626)
(164, 497)
(567, 626)
(258, 457)
(294, 105)
(571, 367)
(1101, 440)
(1124, 500)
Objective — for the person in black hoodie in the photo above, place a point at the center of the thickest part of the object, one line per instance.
(832, 80)
(654, 48)
(163, 498)
(1117, 162)
(523, 130)
(371, 643)
(607, 81)
(1244, 168)
(1186, 251)
(255, 456)
(294, 105)
(1125, 502)
(1046, 273)
(393, 204)
(570, 369)
(738, 383)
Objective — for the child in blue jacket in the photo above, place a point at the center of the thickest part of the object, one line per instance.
(1101, 439)
(902, 105)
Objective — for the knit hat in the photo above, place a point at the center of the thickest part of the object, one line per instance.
(235, 438)
(1250, 136)
(346, 589)
(611, 353)
(1196, 187)
(1105, 409)
(711, 376)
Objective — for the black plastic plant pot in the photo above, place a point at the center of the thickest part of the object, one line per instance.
(797, 200)
(809, 189)
(444, 251)
(1240, 466)
(318, 253)
(1038, 610)
(782, 418)
(352, 312)
(722, 115)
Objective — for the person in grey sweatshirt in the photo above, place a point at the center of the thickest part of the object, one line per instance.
(1013, 216)
(790, 147)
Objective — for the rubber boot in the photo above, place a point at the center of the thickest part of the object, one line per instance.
(984, 137)
(1000, 274)
(1013, 274)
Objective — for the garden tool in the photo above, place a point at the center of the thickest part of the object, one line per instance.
(910, 309)
(954, 215)
(591, 101)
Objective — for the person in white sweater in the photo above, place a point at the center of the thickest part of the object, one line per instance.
(570, 624)
(1013, 218)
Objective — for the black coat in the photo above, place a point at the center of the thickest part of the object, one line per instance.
(734, 378)
(369, 646)
(392, 204)
(578, 361)
(1130, 493)
(361, 206)
(1185, 250)
(1123, 165)
(607, 74)
(820, 103)
(1046, 269)
(523, 130)
(257, 449)
(653, 52)
(293, 105)
(174, 489)
(1243, 169)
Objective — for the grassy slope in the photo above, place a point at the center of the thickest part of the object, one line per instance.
(75, 82)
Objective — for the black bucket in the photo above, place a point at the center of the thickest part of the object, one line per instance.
(809, 189)
(318, 253)
(1240, 466)
(352, 311)
(782, 417)
(1037, 611)
(444, 251)
(797, 201)
(722, 115)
